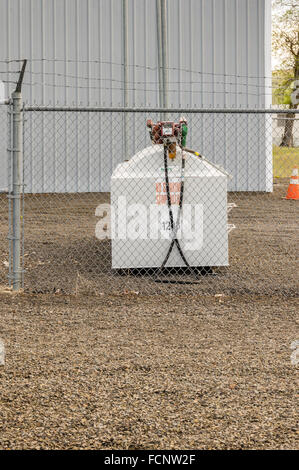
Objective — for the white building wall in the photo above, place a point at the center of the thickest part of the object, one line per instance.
(219, 56)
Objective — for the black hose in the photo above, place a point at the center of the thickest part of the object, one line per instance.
(167, 187)
(174, 228)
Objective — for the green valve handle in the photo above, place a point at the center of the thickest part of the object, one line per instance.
(184, 134)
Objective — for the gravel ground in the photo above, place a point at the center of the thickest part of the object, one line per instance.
(144, 372)
(94, 361)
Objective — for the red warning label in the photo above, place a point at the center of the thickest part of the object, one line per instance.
(161, 194)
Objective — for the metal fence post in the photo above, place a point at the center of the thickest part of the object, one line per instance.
(126, 75)
(17, 161)
(164, 54)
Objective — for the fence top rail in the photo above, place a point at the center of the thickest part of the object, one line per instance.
(161, 110)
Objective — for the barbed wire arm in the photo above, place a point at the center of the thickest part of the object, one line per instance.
(20, 81)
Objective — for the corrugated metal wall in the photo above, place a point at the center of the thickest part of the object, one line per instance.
(219, 55)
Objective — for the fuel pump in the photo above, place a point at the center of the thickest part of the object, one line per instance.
(181, 217)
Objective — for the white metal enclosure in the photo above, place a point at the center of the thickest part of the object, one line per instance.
(219, 55)
(140, 220)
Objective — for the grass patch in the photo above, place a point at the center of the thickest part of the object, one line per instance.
(284, 160)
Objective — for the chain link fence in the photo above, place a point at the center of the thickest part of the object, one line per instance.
(106, 210)
(70, 244)
(69, 158)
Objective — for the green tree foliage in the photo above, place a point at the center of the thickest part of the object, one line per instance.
(285, 44)
(282, 82)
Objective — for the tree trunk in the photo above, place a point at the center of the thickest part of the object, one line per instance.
(287, 138)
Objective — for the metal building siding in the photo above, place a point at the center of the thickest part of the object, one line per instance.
(213, 46)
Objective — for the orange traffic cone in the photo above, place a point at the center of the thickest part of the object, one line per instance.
(293, 189)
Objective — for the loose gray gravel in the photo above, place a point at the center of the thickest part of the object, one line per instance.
(133, 372)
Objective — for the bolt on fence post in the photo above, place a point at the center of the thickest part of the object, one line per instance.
(17, 162)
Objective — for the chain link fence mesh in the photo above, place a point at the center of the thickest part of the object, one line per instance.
(87, 233)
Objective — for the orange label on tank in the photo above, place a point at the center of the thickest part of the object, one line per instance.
(161, 194)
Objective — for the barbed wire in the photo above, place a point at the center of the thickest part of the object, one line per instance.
(131, 83)
(145, 82)
(9, 61)
(9, 81)
(146, 67)
(147, 90)
(144, 90)
(10, 71)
